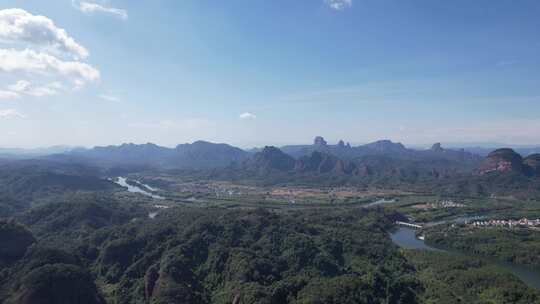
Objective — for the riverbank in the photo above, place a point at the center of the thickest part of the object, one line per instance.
(406, 238)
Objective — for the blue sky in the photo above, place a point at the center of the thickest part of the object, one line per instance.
(268, 72)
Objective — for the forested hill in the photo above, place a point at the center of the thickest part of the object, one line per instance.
(95, 250)
(26, 180)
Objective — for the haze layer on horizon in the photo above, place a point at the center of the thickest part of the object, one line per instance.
(251, 73)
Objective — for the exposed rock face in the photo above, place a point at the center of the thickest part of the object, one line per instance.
(272, 158)
(532, 162)
(502, 160)
(323, 163)
(437, 147)
(150, 279)
(319, 141)
(363, 171)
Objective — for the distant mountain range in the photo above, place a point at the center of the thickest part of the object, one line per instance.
(32, 153)
(206, 155)
(379, 158)
(198, 155)
(446, 172)
(383, 164)
(381, 148)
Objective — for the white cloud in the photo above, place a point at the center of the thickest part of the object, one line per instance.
(19, 26)
(10, 113)
(8, 95)
(247, 116)
(109, 98)
(42, 52)
(24, 87)
(91, 7)
(33, 62)
(338, 5)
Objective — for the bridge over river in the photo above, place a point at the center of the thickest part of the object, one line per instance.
(410, 225)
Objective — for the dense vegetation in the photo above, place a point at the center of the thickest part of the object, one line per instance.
(449, 279)
(520, 246)
(64, 241)
(215, 255)
(26, 181)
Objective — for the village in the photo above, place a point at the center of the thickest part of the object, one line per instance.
(522, 223)
(445, 204)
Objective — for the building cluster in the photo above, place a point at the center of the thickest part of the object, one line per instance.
(449, 204)
(507, 223)
(446, 204)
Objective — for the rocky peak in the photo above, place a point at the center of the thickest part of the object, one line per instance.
(319, 141)
(341, 144)
(437, 147)
(272, 158)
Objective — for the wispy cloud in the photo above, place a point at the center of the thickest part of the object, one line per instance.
(11, 113)
(8, 95)
(24, 87)
(92, 7)
(109, 98)
(248, 116)
(338, 5)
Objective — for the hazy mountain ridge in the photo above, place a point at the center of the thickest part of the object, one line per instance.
(207, 155)
(198, 155)
(375, 157)
(21, 153)
(381, 147)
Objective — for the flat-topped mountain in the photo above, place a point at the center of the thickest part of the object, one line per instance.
(502, 160)
(203, 154)
(507, 160)
(386, 146)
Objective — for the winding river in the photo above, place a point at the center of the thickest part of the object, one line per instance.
(406, 238)
(122, 181)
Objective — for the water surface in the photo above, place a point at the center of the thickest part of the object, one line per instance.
(122, 181)
(406, 238)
